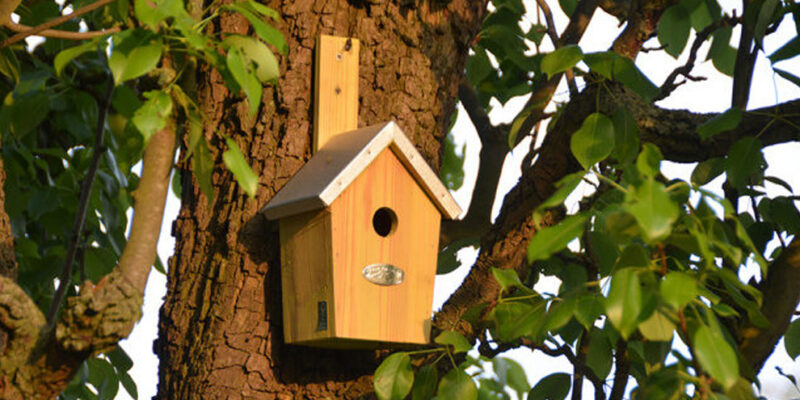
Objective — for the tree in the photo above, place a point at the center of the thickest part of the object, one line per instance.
(205, 74)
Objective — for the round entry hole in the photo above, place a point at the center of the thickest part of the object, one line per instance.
(384, 221)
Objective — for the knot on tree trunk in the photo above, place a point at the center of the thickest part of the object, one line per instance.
(97, 319)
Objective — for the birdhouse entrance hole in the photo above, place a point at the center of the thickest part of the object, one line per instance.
(384, 221)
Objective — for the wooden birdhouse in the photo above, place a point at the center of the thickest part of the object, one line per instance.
(359, 232)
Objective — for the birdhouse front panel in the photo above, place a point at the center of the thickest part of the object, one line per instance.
(385, 235)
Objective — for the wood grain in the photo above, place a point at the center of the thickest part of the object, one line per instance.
(306, 268)
(366, 311)
(336, 94)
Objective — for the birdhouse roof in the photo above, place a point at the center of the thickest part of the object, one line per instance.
(343, 158)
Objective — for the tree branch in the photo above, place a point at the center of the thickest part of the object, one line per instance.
(623, 367)
(642, 22)
(781, 297)
(44, 29)
(669, 84)
(492, 155)
(65, 279)
(743, 68)
(543, 90)
(551, 31)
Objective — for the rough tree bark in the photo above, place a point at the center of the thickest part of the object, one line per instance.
(220, 330)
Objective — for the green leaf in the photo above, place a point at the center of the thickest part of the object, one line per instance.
(564, 187)
(653, 209)
(649, 160)
(103, 378)
(716, 356)
(22, 113)
(264, 30)
(744, 160)
(552, 387)
(515, 319)
(554, 238)
(791, 339)
(510, 374)
(600, 358)
(673, 29)
(394, 377)
(788, 76)
(425, 383)
(257, 52)
(455, 339)
(678, 289)
(129, 385)
(785, 214)
(722, 55)
(787, 51)
(766, 14)
(626, 137)
(202, 167)
(604, 251)
(707, 170)
(657, 328)
(9, 65)
(507, 278)
(152, 12)
(624, 302)
(568, 6)
(245, 77)
(589, 309)
(560, 313)
(133, 54)
(615, 67)
(561, 60)
(244, 175)
(152, 115)
(452, 170)
(457, 385)
(447, 261)
(478, 66)
(65, 56)
(724, 122)
(593, 141)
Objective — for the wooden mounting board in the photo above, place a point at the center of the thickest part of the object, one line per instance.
(336, 83)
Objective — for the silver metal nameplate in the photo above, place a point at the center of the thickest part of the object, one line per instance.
(383, 274)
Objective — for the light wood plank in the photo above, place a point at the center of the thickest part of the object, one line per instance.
(336, 94)
(306, 268)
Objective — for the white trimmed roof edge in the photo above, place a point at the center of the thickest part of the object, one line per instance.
(343, 158)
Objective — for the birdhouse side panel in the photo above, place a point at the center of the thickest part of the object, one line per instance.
(306, 280)
(384, 226)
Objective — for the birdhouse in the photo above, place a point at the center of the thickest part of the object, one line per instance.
(359, 227)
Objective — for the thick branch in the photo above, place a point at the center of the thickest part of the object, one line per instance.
(492, 155)
(781, 291)
(42, 365)
(642, 22)
(743, 68)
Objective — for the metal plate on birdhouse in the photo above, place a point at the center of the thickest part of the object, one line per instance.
(383, 274)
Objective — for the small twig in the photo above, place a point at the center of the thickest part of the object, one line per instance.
(669, 84)
(65, 280)
(573, 359)
(44, 28)
(551, 32)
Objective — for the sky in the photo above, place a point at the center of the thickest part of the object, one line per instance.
(711, 95)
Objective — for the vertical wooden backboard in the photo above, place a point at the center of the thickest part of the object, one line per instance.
(336, 94)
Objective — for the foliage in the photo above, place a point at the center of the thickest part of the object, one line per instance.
(650, 268)
(56, 93)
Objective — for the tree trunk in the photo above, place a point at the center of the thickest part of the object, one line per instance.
(221, 329)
